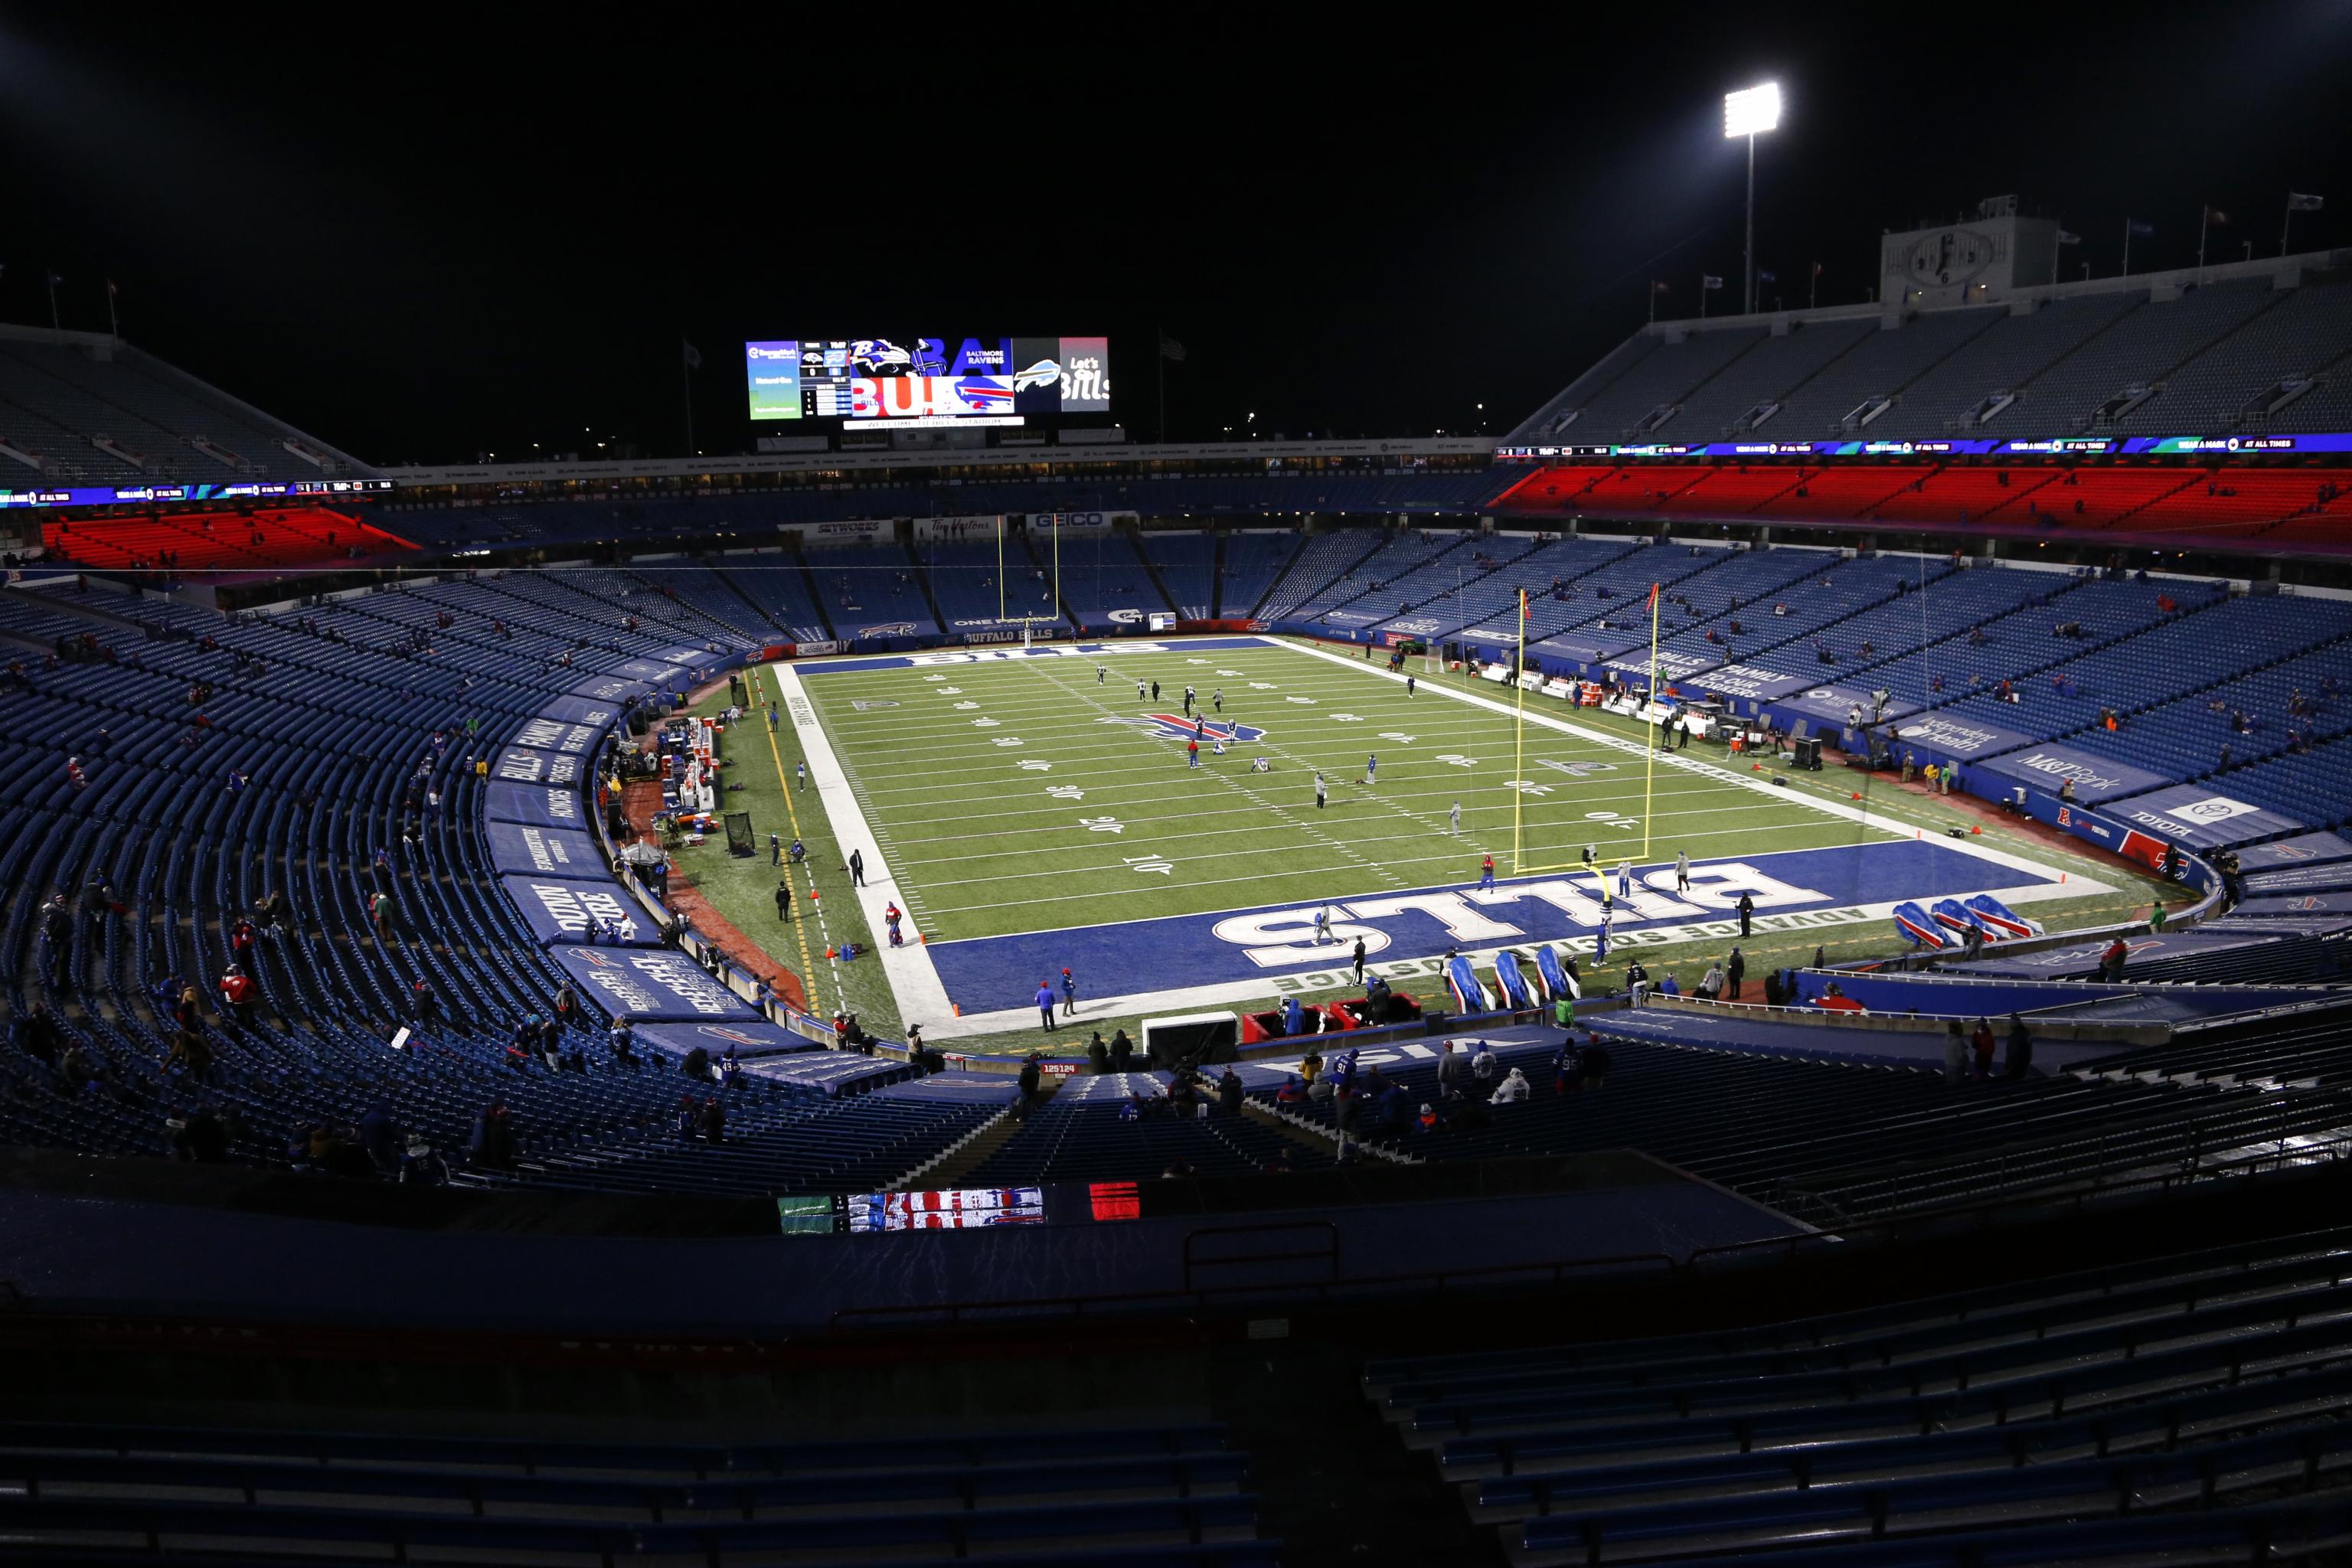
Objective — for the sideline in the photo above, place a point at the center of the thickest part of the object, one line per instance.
(800, 928)
(914, 983)
(1893, 828)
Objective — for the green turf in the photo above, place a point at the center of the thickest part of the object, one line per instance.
(1065, 828)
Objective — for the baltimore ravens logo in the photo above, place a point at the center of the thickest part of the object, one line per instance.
(1177, 726)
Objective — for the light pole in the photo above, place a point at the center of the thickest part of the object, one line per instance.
(1747, 113)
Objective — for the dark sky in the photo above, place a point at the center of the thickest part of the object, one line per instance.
(425, 234)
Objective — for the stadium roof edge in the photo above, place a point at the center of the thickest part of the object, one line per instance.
(420, 477)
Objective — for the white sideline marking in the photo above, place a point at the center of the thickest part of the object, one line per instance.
(914, 983)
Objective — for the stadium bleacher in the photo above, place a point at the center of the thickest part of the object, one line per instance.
(1071, 1493)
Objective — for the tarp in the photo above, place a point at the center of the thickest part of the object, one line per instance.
(826, 1072)
(1997, 921)
(558, 910)
(579, 710)
(1556, 983)
(2095, 778)
(1751, 681)
(1917, 926)
(2083, 961)
(540, 806)
(545, 851)
(656, 984)
(2199, 817)
(2298, 879)
(571, 738)
(2306, 849)
(751, 1037)
(611, 689)
(520, 765)
(1937, 736)
(1510, 981)
(1824, 707)
(662, 674)
(2292, 904)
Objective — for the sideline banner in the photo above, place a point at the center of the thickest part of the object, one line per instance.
(520, 765)
(753, 1038)
(538, 805)
(559, 910)
(2094, 777)
(535, 851)
(656, 984)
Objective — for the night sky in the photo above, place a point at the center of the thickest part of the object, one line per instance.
(426, 235)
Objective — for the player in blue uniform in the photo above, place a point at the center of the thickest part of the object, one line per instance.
(1371, 766)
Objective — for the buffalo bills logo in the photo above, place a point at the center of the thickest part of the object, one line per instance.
(1181, 728)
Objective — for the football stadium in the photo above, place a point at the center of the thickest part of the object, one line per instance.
(1745, 959)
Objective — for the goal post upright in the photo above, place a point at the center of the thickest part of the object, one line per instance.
(1519, 741)
(1650, 753)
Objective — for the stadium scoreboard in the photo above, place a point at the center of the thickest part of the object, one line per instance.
(911, 382)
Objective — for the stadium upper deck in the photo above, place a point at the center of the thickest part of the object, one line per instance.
(2254, 347)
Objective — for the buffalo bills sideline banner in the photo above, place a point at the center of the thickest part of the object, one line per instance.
(746, 1038)
(545, 851)
(538, 805)
(594, 914)
(522, 765)
(658, 984)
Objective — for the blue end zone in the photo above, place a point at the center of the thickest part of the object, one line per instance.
(1088, 652)
(1178, 952)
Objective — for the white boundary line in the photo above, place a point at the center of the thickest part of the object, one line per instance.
(914, 980)
(1867, 819)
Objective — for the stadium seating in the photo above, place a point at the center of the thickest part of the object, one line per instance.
(1254, 559)
(1186, 563)
(2057, 1420)
(871, 585)
(260, 540)
(1086, 1133)
(1063, 1494)
(61, 393)
(1104, 579)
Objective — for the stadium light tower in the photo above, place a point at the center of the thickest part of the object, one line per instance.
(1749, 113)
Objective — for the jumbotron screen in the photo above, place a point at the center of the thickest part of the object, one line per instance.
(908, 381)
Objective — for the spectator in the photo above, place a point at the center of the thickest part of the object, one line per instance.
(493, 1141)
(1029, 1082)
(1592, 1062)
(2110, 961)
(1122, 1052)
(1098, 1055)
(1483, 1065)
(714, 1121)
(420, 1166)
(35, 1031)
(379, 1137)
(689, 1118)
(1956, 1052)
(241, 997)
(2021, 1048)
(1449, 1069)
(1981, 1042)
(1229, 1092)
(1511, 1090)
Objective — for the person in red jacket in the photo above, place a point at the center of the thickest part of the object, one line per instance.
(240, 994)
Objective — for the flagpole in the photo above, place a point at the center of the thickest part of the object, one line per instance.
(113, 321)
(2127, 223)
(686, 389)
(1650, 753)
(2204, 213)
(1159, 358)
(56, 324)
(1518, 735)
(2286, 222)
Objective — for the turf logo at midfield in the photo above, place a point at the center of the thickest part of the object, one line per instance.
(1180, 728)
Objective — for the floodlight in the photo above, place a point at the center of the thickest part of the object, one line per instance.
(1753, 110)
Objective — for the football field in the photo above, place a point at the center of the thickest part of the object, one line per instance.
(1029, 810)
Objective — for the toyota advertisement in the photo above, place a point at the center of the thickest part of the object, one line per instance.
(915, 381)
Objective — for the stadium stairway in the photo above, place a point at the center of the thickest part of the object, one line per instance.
(2023, 1423)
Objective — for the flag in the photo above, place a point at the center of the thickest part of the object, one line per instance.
(1709, 280)
(55, 278)
(2065, 238)
(1658, 288)
(2137, 229)
(2296, 202)
(1817, 270)
(2216, 217)
(110, 289)
(1764, 277)
(1523, 606)
(693, 354)
(1170, 349)
(1654, 597)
